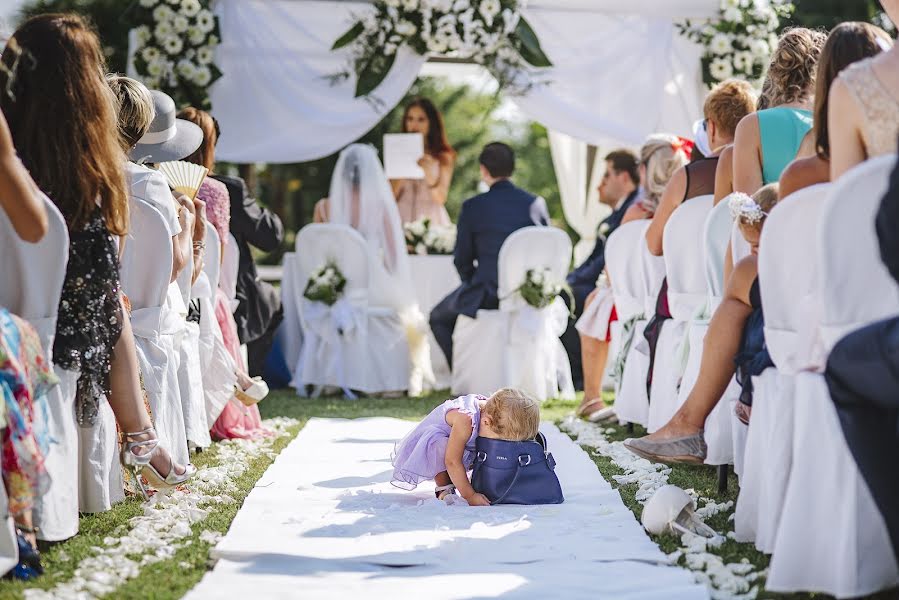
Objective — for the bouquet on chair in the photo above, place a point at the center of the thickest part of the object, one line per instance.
(424, 237)
(540, 290)
(326, 284)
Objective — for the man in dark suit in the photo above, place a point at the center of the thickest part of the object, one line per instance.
(863, 378)
(618, 189)
(258, 312)
(484, 224)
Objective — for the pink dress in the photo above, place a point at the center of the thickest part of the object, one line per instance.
(236, 420)
(421, 455)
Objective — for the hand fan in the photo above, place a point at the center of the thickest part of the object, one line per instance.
(184, 177)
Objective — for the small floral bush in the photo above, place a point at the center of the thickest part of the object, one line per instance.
(175, 44)
(740, 41)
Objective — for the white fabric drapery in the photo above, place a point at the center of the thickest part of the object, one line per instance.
(617, 76)
(578, 189)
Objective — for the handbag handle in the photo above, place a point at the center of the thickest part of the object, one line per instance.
(514, 479)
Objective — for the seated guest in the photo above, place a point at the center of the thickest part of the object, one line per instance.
(863, 376)
(258, 312)
(484, 224)
(864, 108)
(660, 156)
(770, 139)
(618, 190)
(733, 344)
(724, 107)
(237, 419)
(847, 43)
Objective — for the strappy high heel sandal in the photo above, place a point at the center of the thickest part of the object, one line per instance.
(140, 463)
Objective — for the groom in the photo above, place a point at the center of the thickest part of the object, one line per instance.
(484, 224)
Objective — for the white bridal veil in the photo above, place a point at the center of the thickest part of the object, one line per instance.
(361, 197)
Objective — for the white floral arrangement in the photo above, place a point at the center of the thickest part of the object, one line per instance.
(540, 288)
(326, 284)
(489, 32)
(739, 42)
(424, 237)
(174, 48)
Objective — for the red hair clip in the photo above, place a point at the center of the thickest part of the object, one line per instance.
(683, 145)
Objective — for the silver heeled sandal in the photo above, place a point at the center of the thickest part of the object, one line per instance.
(140, 463)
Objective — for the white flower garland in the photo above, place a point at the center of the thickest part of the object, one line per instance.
(174, 48)
(159, 532)
(739, 42)
(734, 581)
(490, 32)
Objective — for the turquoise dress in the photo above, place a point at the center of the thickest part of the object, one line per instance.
(781, 130)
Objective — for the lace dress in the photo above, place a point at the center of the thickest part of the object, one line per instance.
(879, 107)
(25, 378)
(89, 322)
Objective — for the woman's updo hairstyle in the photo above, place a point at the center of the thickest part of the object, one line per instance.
(791, 72)
(661, 154)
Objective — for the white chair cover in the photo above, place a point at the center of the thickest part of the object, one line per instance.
(9, 547)
(212, 262)
(352, 344)
(292, 339)
(719, 436)
(518, 345)
(146, 272)
(228, 272)
(787, 284)
(683, 256)
(625, 270)
(33, 276)
(837, 543)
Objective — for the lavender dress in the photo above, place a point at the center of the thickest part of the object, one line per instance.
(421, 454)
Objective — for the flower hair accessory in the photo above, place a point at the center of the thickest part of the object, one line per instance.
(745, 209)
(682, 144)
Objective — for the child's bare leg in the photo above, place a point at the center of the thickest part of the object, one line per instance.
(442, 479)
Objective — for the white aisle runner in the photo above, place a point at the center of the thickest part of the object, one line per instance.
(325, 522)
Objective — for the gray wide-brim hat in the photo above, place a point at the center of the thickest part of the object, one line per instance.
(168, 138)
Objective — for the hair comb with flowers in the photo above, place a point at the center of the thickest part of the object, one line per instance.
(744, 208)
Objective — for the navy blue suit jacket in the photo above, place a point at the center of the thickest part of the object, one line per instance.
(888, 225)
(583, 279)
(484, 224)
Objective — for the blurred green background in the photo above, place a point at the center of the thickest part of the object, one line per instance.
(473, 116)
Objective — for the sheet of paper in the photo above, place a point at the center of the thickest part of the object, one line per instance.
(401, 154)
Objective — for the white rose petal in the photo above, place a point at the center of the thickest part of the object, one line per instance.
(203, 76)
(721, 69)
(720, 44)
(173, 45)
(190, 8)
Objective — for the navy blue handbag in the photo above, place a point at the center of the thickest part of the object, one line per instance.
(516, 472)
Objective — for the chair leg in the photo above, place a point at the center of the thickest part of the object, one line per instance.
(722, 478)
(630, 428)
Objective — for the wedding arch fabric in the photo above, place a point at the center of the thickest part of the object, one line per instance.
(617, 76)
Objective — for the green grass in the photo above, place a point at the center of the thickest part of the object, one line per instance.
(171, 579)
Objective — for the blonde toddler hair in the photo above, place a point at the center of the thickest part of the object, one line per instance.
(761, 204)
(134, 106)
(514, 415)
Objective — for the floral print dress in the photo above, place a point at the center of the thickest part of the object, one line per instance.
(25, 378)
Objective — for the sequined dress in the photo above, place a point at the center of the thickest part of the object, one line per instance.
(89, 322)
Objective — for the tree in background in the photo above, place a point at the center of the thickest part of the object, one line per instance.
(826, 14)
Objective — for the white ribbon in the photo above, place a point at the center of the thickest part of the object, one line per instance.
(534, 365)
(335, 326)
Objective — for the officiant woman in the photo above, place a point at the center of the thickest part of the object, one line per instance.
(420, 198)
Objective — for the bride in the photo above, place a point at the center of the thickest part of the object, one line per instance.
(360, 197)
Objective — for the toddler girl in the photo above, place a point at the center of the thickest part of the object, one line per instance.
(442, 446)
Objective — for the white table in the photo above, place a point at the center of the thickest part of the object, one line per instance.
(434, 277)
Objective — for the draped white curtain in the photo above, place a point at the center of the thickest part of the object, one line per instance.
(578, 181)
(618, 76)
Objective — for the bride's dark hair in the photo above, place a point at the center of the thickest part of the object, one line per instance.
(436, 142)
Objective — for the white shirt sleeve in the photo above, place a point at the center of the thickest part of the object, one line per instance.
(539, 212)
(152, 187)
